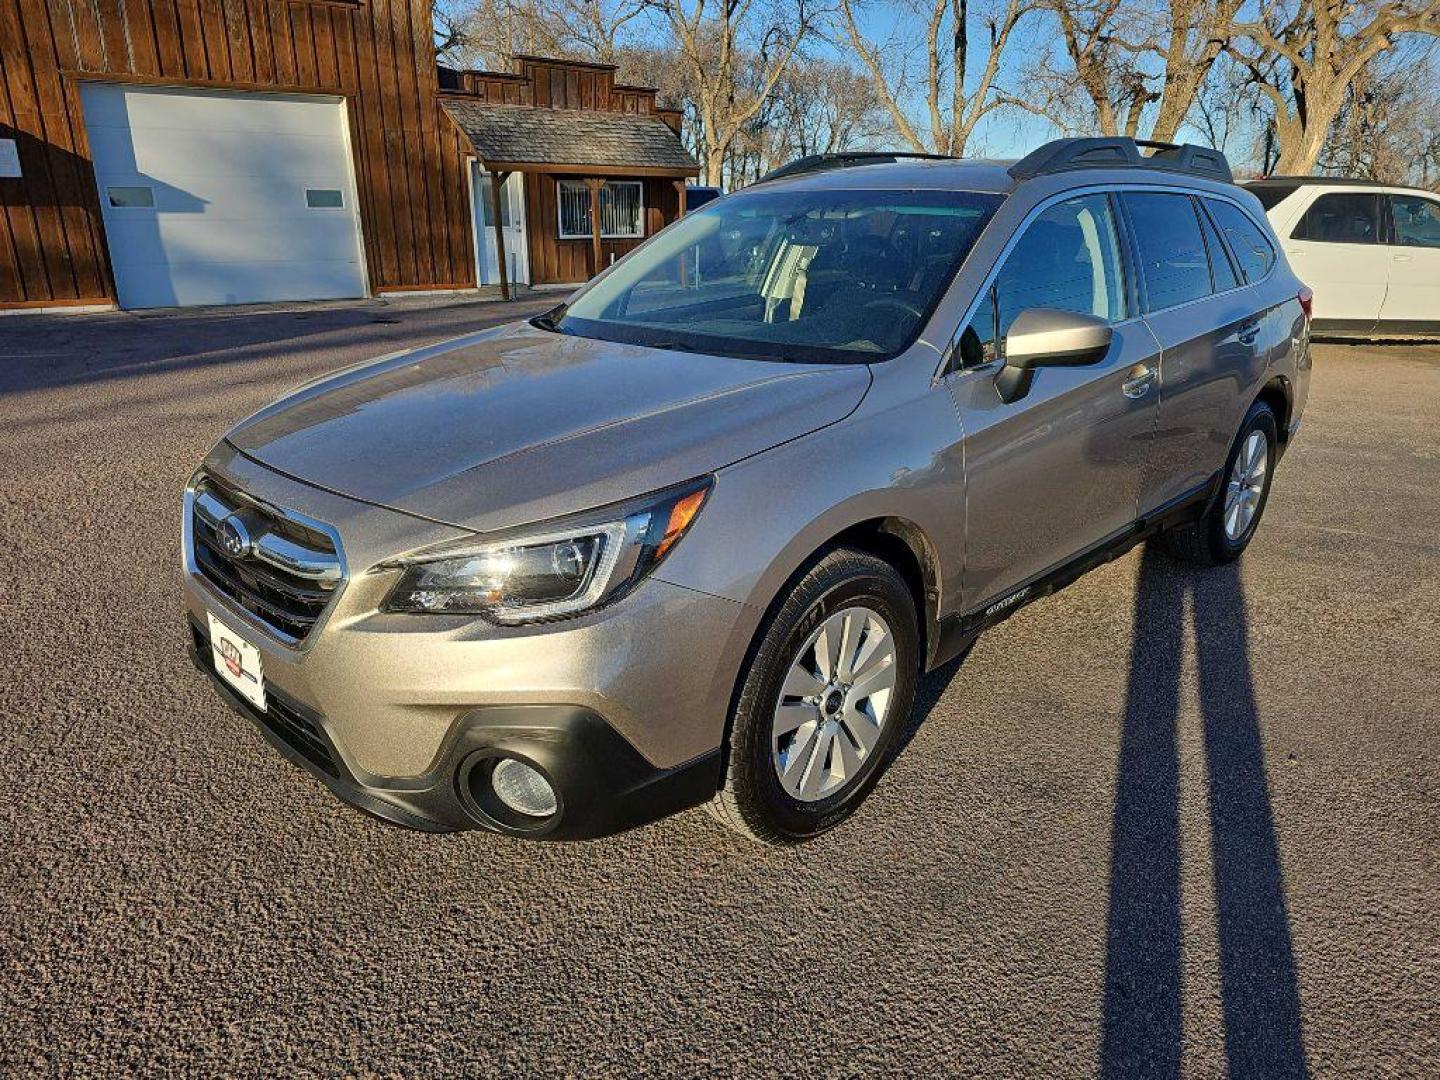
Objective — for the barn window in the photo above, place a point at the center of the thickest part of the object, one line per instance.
(324, 199)
(622, 210)
(136, 198)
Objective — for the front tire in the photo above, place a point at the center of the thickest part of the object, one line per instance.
(1230, 522)
(824, 698)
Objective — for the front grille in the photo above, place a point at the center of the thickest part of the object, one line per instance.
(300, 732)
(286, 571)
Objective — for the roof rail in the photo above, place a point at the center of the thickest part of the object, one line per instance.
(822, 162)
(1280, 180)
(1113, 152)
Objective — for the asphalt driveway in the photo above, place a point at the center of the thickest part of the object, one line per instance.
(1164, 821)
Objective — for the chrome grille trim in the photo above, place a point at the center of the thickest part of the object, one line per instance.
(290, 576)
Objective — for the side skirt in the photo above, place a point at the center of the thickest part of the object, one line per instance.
(958, 632)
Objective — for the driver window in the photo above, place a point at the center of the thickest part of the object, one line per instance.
(1068, 258)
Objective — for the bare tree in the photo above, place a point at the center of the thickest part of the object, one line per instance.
(819, 106)
(1229, 113)
(953, 104)
(734, 53)
(1305, 54)
(1191, 43)
(1132, 60)
(1390, 118)
(488, 32)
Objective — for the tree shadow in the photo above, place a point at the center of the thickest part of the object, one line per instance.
(1144, 978)
(43, 352)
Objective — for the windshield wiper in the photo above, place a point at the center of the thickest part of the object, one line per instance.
(673, 346)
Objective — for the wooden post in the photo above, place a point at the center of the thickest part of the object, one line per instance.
(684, 256)
(497, 180)
(595, 184)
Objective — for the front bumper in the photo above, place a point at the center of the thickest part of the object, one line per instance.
(602, 783)
(624, 709)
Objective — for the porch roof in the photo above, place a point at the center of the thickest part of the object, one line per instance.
(529, 138)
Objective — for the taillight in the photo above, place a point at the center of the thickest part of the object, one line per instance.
(1305, 296)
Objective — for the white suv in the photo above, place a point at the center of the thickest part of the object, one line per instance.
(1370, 252)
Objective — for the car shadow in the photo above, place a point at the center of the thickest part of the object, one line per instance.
(1144, 972)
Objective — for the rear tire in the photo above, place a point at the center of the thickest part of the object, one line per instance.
(827, 692)
(1230, 521)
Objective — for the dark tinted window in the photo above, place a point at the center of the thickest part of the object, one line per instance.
(1272, 194)
(1248, 243)
(1416, 221)
(1221, 272)
(1068, 258)
(1341, 217)
(1173, 263)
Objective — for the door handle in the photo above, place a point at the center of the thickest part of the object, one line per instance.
(1248, 333)
(1139, 383)
(1399, 257)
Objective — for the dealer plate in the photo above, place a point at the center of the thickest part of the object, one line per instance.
(237, 662)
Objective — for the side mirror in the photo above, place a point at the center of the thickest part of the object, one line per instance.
(1047, 337)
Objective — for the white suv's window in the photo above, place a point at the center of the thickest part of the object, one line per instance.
(1341, 217)
(1416, 221)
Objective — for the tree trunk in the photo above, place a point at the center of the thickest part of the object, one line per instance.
(1301, 141)
(715, 167)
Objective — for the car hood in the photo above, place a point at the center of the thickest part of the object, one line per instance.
(516, 425)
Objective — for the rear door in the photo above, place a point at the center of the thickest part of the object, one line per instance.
(1336, 248)
(1058, 470)
(1413, 300)
(1203, 315)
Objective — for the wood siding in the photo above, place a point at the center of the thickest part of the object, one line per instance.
(377, 54)
(559, 84)
(557, 261)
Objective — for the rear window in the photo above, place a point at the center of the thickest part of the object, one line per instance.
(1271, 195)
(1248, 243)
(1174, 264)
(1221, 271)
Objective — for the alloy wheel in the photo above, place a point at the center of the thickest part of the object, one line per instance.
(834, 703)
(1246, 485)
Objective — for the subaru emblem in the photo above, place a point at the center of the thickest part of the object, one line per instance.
(233, 537)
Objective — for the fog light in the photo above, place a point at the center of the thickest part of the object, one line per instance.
(522, 788)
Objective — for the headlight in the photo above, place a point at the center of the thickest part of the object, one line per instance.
(551, 574)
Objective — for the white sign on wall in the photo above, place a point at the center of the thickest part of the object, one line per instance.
(9, 158)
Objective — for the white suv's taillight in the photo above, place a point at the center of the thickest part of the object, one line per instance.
(1306, 297)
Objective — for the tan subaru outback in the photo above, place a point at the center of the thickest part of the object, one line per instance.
(692, 537)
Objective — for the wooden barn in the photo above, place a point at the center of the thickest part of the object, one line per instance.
(156, 153)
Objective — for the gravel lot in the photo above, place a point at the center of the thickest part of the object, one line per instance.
(1164, 821)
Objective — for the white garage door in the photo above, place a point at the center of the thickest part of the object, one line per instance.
(213, 197)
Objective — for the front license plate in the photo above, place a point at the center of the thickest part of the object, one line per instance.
(237, 662)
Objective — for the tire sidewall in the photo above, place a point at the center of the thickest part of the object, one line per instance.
(887, 595)
(1259, 418)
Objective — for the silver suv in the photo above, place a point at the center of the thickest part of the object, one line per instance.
(692, 537)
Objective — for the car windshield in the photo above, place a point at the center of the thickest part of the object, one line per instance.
(810, 276)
